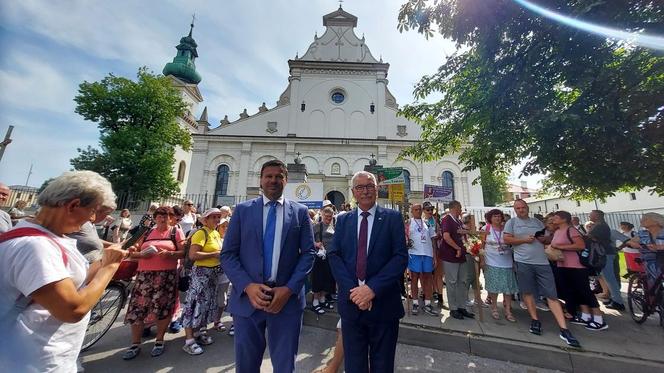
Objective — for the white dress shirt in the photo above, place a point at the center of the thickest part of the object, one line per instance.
(276, 249)
(370, 221)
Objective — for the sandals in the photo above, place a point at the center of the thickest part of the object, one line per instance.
(509, 317)
(318, 309)
(495, 315)
(192, 349)
(131, 352)
(220, 326)
(158, 349)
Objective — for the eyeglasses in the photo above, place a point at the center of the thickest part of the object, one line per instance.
(188, 204)
(368, 188)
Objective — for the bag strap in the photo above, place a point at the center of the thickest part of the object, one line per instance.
(34, 232)
(569, 236)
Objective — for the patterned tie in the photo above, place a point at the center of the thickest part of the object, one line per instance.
(268, 240)
(361, 266)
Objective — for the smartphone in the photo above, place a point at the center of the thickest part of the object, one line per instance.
(135, 237)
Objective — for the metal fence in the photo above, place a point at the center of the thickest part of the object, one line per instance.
(134, 202)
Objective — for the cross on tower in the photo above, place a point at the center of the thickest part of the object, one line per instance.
(372, 156)
(298, 154)
(340, 1)
(193, 19)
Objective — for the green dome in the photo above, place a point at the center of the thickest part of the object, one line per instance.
(183, 66)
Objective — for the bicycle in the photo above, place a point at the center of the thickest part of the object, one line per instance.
(107, 309)
(644, 300)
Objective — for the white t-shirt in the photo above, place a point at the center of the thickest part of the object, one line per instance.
(420, 233)
(187, 222)
(33, 340)
(497, 253)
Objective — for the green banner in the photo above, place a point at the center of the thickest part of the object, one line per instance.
(390, 175)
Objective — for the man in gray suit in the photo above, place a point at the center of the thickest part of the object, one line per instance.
(5, 219)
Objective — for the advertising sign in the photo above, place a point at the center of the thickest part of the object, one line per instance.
(437, 193)
(396, 192)
(390, 175)
(309, 194)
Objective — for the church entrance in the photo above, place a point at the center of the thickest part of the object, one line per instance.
(337, 198)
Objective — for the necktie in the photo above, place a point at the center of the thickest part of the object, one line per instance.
(268, 240)
(361, 265)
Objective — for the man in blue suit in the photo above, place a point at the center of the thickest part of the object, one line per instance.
(268, 251)
(368, 258)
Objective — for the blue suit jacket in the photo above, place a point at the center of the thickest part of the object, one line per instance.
(386, 262)
(242, 254)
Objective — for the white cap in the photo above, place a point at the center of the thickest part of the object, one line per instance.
(327, 203)
(211, 211)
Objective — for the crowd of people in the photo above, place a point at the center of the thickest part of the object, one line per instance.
(191, 267)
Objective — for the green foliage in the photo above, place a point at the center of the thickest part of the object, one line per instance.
(494, 186)
(139, 131)
(586, 111)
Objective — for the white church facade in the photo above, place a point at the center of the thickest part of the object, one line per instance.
(335, 114)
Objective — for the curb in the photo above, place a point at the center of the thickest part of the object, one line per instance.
(534, 354)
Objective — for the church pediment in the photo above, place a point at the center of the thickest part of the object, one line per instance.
(339, 42)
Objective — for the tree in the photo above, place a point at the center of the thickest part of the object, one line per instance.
(44, 184)
(584, 110)
(139, 131)
(494, 186)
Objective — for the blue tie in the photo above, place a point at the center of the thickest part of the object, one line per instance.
(268, 240)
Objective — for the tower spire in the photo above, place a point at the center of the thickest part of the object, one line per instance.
(183, 66)
(193, 19)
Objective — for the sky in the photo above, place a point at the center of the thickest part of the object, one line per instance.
(47, 48)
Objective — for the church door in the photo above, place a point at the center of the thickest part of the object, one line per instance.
(337, 198)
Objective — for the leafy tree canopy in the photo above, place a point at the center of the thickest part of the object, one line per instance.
(494, 186)
(586, 111)
(139, 131)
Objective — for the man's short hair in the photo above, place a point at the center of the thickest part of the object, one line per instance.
(365, 174)
(275, 163)
(519, 200)
(600, 214)
(454, 204)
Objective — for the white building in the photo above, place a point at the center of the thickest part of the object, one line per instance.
(335, 113)
(626, 203)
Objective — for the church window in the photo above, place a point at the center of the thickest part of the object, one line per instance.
(223, 173)
(181, 170)
(406, 177)
(448, 181)
(338, 96)
(336, 169)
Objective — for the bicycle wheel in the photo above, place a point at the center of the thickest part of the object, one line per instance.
(104, 314)
(636, 299)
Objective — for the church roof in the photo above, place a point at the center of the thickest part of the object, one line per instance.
(339, 42)
(183, 65)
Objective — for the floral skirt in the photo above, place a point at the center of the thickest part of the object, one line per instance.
(201, 306)
(153, 296)
(500, 280)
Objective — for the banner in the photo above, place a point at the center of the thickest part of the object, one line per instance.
(437, 193)
(390, 175)
(309, 194)
(396, 192)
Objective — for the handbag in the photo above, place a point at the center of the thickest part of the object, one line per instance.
(554, 255)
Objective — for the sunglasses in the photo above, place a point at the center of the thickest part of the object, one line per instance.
(188, 204)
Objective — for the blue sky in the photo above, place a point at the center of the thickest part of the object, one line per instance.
(49, 47)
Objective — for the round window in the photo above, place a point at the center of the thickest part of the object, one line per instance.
(338, 97)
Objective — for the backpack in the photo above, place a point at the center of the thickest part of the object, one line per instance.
(183, 283)
(593, 256)
(22, 302)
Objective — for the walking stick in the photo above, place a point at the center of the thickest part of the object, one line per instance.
(409, 300)
(478, 296)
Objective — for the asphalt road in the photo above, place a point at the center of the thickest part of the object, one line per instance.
(316, 347)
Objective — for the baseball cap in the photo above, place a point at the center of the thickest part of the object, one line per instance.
(427, 205)
(211, 211)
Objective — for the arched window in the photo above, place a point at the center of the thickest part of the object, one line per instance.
(223, 173)
(336, 169)
(448, 181)
(406, 177)
(181, 170)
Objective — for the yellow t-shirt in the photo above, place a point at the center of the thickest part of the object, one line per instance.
(213, 244)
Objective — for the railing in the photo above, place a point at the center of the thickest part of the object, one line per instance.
(202, 202)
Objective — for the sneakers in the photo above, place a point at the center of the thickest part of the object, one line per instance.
(131, 352)
(522, 305)
(577, 320)
(536, 327)
(174, 327)
(318, 309)
(415, 309)
(594, 325)
(192, 349)
(429, 310)
(615, 306)
(542, 307)
(567, 336)
(470, 303)
(231, 331)
(456, 314)
(465, 313)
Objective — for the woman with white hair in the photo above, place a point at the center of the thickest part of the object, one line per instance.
(47, 287)
(201, 304)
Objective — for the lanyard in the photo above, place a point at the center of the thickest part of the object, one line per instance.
(420, 225)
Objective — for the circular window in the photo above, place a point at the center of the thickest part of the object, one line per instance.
(338, 97)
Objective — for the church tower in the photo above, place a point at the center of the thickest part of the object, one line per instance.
(182, 71)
